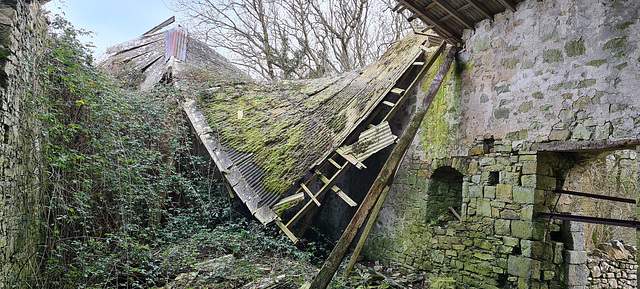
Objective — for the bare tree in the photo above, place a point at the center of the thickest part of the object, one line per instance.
(295, 38)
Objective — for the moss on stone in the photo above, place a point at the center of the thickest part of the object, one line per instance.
(501, 113)
(617, 46)
(548, 37)
(596, 63)
(482, 44)
(621, 66)
(623, 26)
(575, 48)
(551, 56)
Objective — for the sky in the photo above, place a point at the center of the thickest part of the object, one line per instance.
(113, 21)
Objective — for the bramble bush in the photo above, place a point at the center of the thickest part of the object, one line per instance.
(121, 183)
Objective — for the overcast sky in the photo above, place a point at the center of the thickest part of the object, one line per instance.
(113, 21)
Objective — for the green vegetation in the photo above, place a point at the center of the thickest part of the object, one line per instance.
(125, 202)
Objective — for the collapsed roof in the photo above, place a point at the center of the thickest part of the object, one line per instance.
(271, 141)
(173, 50)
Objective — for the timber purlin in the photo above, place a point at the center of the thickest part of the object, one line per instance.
(449, 18)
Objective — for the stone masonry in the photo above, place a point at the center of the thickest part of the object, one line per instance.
(556, 72)
(22, 28)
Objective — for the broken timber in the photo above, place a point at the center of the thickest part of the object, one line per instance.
(384, 178)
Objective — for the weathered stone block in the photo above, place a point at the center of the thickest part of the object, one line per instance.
(569, 226)
(521, 229)
(523, 195)
(504, 192)
(581, 132)
(575, 257)
(529, 168)
(603, 132)
(559, 135)
(490, 192)
(510, 178)
(509, 215)
(475, 191)
(574, 240)
(577, 275)
(519, 266)
(484, 207)
(502, 227)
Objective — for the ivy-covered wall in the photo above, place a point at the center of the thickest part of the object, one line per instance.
(552, 72)
(22, 29)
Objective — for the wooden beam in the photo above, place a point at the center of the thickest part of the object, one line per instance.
(414, 84)
(313, 198)
(584, 146)
(287, 232)
(384, 177)
(509, 4)
(367, 230)
(319, 194)
(160, 26)
(430, 20)
(337, 190)
(483, 10)
(453, 12)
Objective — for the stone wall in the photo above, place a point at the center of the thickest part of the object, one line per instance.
(613, 265)
(560, 71)
(554, 71)
(22, 28)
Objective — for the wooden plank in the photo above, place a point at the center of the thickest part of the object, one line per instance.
(367, 230)
(601, 197)
(416, 81)
(337, 190)
(287, 232)
(582, 146)
(160, 26)
(351, 159)
(307, 207)
(388, 103)
(430, 20)
(313, 198)
(509, 4)
(384, 177)
(453, 12)
(292, 198)
(397, 90)
(483, 10)
(334, 163)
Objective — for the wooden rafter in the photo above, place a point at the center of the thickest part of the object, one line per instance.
(483, 10)
(446, 30)
(454, 13)
(509, 4)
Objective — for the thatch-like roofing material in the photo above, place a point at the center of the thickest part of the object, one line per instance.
(266, 137)
(149, 54)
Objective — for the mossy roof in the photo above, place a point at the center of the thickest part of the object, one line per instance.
(276, 133)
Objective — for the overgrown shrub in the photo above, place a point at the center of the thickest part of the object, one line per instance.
(120, 180)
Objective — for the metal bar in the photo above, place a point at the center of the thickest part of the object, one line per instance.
(593, 220)
(610, 198)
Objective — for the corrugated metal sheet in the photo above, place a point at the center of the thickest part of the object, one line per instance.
(370, 142)
(176, 43)
(327, 111)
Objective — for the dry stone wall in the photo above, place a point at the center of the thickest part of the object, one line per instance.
(613, 265)
(22, 28)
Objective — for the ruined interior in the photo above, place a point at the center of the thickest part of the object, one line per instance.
(534, 123)
(529, 146)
